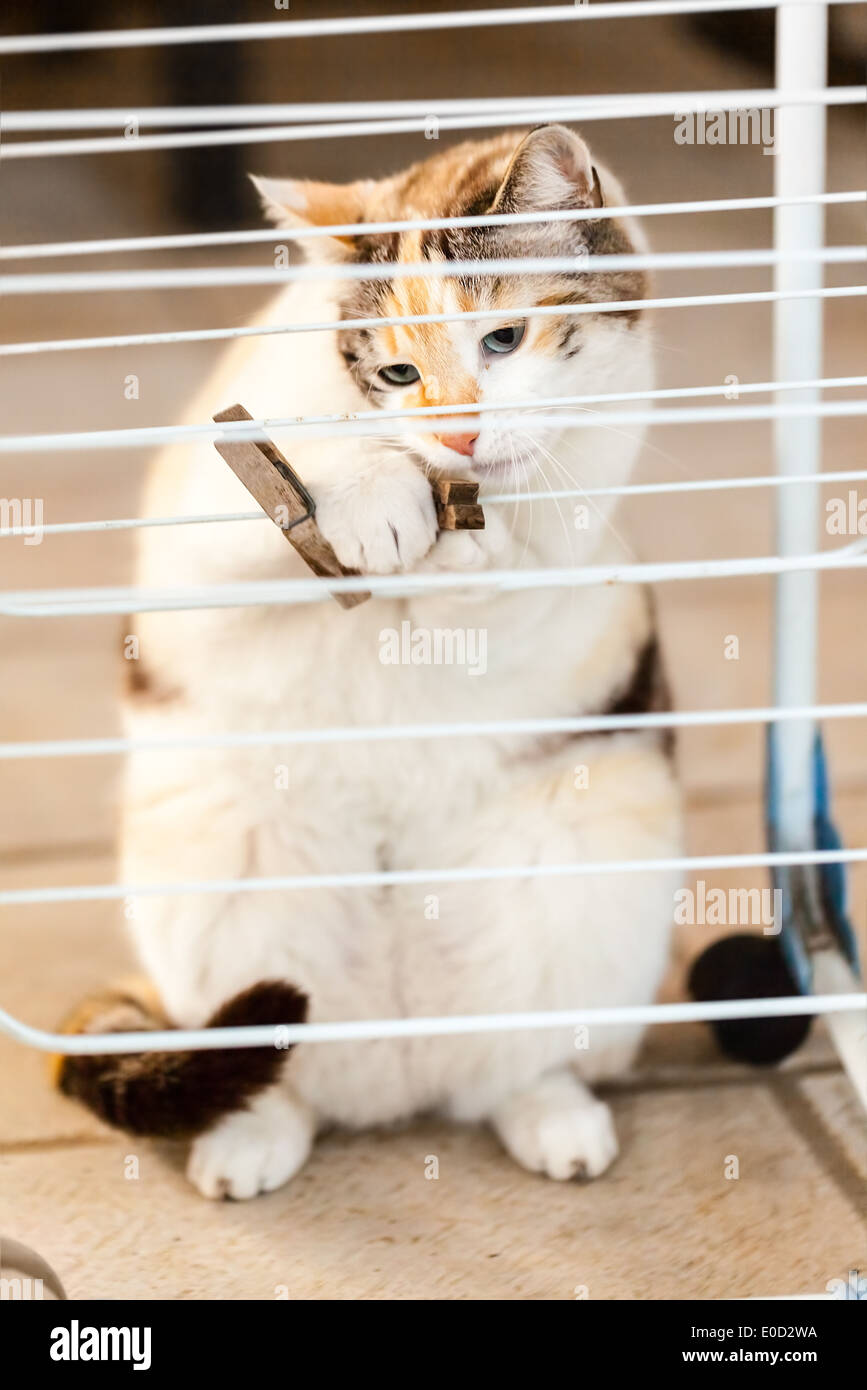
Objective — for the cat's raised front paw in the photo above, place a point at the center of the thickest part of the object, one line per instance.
(381, 521)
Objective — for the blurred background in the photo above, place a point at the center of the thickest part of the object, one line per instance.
(360, 1222)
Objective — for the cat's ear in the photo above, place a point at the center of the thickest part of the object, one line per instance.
(308, 203)
(551, 169)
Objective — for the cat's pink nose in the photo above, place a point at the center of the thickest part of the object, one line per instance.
(461, 443)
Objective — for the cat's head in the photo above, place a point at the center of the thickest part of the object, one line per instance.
(511, 356)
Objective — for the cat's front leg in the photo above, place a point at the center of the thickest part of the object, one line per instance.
(379, 518)
(253, 1150)
(557, 1127)
(464, 551)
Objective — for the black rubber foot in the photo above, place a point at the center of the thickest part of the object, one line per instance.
(749, 967)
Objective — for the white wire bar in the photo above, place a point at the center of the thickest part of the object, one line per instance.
(404, 878)
(186, 240)
(29, 122)
(374, 24)
(691, 485)
(479, 408)
(120, 117)
(202, 335)
(628, 106)
(358, 1030)
(382, 24)
(373, 427)
(801, 56)
(389, 733)
(58, 603)
(197, 277)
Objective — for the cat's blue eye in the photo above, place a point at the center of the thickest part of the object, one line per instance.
(504, 339)
(399, 374)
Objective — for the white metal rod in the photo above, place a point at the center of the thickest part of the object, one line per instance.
(403, 878)
(534, 405)
(202, 335)
(692, 485)
(203, 277)
(373, 24)
(186, 240)
(801, 59)
(831, 975)
(358, 1030)
(239, 114)
(58, 603)
(799, 167)
(389, 733)
(231, 114)
(148, 436)
(27, 122)
(626, 106)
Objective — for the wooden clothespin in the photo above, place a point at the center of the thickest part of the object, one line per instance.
(268, 477)
(457, 504)
(281, 494)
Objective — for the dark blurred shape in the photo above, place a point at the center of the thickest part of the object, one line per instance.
(749, 967)
(750, 34)
(208, 187)
(42, 17)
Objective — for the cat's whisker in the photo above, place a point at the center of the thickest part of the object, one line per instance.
(564, 472)
(663, 454)
(611, 429)
(524, 478)
(527, 463)
(516, 505)
(660, 345)
(566, 477)
(519, 477)
(535, 447)
(570, 547)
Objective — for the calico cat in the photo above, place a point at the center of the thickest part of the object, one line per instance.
(484, 946)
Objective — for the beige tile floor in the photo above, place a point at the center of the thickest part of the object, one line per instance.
(362, 1221)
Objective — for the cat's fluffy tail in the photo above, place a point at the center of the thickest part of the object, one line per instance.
(174, 1094)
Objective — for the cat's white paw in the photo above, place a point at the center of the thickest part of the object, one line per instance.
(471, 550)
(559, 1129)
(252, 1151)
(381, 521)
(457, 551)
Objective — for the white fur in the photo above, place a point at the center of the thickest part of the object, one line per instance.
(558, 1128)
(253, 1150)
(506, 945)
